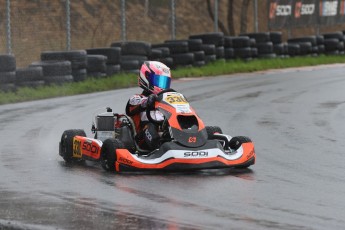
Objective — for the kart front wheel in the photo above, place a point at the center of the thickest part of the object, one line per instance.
(108, 153)
(236, 142)
(211, 130)
(66, 143)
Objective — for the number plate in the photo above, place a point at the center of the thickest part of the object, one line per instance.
(176, 99)
(76, 148)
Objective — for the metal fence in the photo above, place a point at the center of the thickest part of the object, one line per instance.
(29, 27)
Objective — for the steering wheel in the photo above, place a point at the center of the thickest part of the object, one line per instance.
(148, 109)
(165, 91)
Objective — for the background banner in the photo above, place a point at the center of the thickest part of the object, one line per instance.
(301, 13)
(305, 13)
(280, 12)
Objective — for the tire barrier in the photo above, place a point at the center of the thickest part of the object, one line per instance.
(161, 54)
(263, 44)
(186, 56)
(30, 77)
(7, 72)
(96, 66)
(55, 72)
(59, 67)
(77, 58)
(215, 39)
(334, 43)
(113, 55)
(306, 44)
(133, 54)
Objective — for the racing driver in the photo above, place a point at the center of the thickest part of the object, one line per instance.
(153, 77)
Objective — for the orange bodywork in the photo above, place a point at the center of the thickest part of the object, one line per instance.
(173, 119)
(83, 146)
(89, 148)
(126, 158)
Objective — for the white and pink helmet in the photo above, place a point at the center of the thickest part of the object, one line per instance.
(154, 76)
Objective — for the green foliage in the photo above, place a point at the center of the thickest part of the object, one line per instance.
(220, 67)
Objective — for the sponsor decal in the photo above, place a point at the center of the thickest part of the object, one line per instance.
(273, 7)
(148, 135)
(251, 153)
(135, 100)
(125, 161)
(165, 70)
(192, 139)
(196, 154)
(328, 7)
(303, 9)
(342, 7)
(279, 10)
(90, 147)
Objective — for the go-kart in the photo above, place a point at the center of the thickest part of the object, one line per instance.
(185, 142)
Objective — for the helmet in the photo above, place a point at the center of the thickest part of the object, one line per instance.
(154, 76)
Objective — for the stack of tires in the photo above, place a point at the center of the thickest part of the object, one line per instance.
(96, 66)
(228, 48)
(242, 47)
(211, 41)
(292, 49)
(55, 72)
(161, 54)
(7, 72)
(133, 54)
(320, 43)
(30, 77)
(179, 52)
(306, 45)
(195, 47)
(113, 61)
(334, 43)
(279, 48)
(195, 56)
(77, 58)
(263, 44)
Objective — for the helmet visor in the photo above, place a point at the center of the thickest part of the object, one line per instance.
(161, 81)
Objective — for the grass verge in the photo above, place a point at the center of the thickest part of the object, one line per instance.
(220, 67)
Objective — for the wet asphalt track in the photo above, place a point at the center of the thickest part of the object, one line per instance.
(295, 118)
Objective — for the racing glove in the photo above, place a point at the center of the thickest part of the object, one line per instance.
(151, 101)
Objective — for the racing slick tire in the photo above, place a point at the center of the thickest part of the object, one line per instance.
(236, 142)
(108, 153)
(66, 144)
(211, 130)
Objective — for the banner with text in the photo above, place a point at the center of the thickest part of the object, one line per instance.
(301, 13)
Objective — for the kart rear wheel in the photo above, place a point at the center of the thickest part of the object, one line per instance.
(108, 153)
(211, 130)
(236, 142)
(66, 144)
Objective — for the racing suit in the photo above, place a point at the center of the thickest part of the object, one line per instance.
(147, 135)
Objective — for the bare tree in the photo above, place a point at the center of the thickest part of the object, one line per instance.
(231, 17)
(244, 12)
(220, 23)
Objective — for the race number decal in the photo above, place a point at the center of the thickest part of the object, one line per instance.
(76, 148)
(175, 99)
(178, 101)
